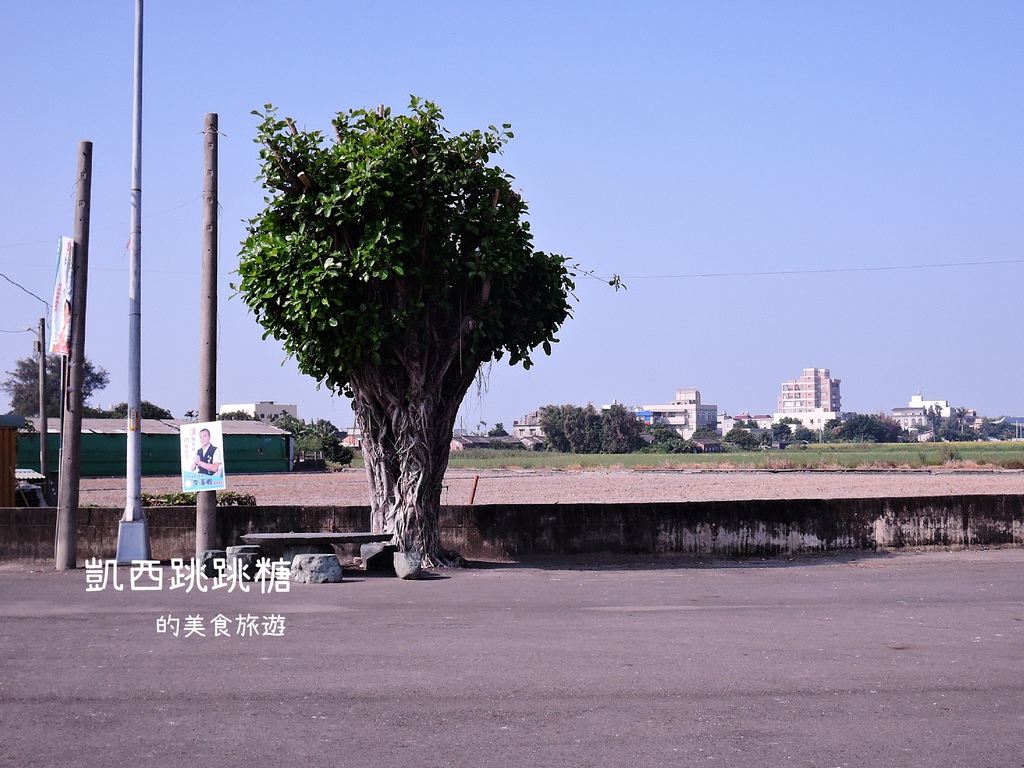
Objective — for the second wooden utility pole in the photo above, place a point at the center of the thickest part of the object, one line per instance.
(66, 555)
(206, 501)
(44, 427)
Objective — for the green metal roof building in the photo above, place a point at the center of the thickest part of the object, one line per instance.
(249, 447)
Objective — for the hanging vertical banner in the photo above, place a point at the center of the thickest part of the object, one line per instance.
(60, 308)
(202, 457)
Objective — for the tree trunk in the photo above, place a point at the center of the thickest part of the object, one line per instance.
(406, 418)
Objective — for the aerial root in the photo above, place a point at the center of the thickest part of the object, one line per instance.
(445, 558)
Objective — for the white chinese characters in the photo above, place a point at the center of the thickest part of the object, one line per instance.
(148, 576)
(243, 625)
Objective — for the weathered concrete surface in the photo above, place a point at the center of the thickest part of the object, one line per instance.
(876, 660)
(730, 528)
(510, 531)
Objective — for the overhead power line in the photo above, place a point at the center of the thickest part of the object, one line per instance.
(31, 242)
(26, 290)
(833, 270)
(149, 217)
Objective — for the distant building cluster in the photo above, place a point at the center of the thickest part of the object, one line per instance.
(811, 400)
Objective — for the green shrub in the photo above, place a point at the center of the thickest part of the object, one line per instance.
(224, 499)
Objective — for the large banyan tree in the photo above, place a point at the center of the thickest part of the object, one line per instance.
(393, 260)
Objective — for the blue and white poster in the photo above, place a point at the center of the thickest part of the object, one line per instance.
(202, 457)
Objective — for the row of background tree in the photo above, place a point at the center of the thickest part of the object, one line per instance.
(575, 429)
(22, 387)
(568, 428)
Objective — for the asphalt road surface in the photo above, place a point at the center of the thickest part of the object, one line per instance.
(906, 660)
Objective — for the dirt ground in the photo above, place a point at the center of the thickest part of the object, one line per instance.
(349, 487)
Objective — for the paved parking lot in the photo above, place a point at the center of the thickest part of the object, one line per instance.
(905, 660)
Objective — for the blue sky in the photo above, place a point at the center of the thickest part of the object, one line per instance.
(781, 185)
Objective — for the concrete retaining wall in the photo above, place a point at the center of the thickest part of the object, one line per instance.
(28, 534)
(513, 531)
(764, 527)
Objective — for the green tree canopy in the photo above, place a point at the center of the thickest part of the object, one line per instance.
(781, 430)
(741, 438)
(805, 434)
(664, 439)
(236, 416)
(392, 262)
(147, 410)
(956, 428)
(866, 428)
(620, 430)
(570, 428)
(316, 436)
(22, 385)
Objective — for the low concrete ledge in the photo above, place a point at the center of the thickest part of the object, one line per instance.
(510, 531)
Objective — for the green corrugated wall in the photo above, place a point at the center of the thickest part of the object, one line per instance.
(105, 455)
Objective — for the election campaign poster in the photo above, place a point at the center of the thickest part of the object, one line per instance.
(202, 457)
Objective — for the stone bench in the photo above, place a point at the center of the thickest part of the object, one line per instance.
(287, 545)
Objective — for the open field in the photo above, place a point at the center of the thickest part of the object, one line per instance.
(811, 471)
(799, 472)
(561, 486)
(1005, 455)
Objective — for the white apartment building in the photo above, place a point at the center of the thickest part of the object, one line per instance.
(264, 410)
(941, 406)
(917, 413)
(911, 418)
(813, 399)
(528, 426)
(685, 415)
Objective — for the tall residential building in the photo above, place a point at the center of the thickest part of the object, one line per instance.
(813, 399)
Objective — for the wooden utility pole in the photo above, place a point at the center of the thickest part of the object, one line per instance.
(44, 429)
(206, 501)
(66, 555)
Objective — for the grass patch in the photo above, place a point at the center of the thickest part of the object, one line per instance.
(1004, 455)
